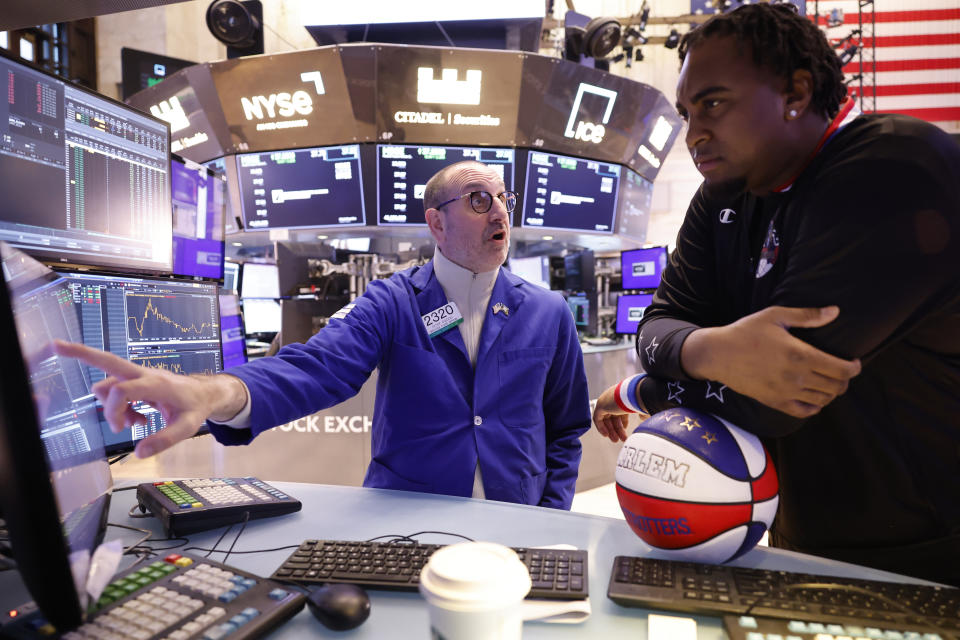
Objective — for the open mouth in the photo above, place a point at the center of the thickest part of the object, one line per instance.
(499, 236)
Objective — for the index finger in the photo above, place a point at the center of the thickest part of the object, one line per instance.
(113, 365)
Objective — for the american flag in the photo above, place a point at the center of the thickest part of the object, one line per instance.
(916, 66)
(911, 61)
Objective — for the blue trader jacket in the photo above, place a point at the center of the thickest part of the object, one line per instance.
(522, 412)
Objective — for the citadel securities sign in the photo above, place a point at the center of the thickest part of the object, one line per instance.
(438, 95)
(299, 99)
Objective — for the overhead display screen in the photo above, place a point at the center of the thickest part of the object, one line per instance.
(636, 197)
(318, 187)
(563, 192)
(403, 172)
(441, 95)
(297, 99)
(84, 180)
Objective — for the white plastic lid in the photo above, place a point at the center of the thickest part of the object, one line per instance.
(475, 575)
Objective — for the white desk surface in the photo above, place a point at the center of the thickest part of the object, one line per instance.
(352, 513)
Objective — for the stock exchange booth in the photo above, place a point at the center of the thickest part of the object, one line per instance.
(337, 143)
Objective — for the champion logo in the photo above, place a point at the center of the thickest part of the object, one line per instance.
(727, 216)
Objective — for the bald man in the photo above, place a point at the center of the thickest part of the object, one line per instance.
(481, 389)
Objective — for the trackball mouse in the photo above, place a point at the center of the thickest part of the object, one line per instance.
(339, 606)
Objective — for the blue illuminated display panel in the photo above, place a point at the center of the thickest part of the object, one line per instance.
(199, 207)
(630, 310)
(642, 268)
(403, 171)
(315, 187)
(563, 192)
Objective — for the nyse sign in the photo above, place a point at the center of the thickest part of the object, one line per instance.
(582, 129)
(283, 104)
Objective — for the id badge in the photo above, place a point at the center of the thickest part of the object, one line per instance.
(442, 319)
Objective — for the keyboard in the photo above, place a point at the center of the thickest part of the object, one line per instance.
(556, 574)
(755, 628)
(181, 597)
(189, 506)
(719, 590)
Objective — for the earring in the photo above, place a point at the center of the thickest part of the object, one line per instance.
(793, 113)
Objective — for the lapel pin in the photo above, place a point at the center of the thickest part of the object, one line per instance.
(499, 306)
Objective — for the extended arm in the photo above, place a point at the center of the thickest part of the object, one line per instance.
(183, 401)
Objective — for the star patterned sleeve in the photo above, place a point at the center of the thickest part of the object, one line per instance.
(660, 394)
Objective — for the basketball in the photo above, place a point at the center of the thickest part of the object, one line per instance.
(695, 487)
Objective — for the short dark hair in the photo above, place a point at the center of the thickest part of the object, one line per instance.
(435, 191)
(782, 41)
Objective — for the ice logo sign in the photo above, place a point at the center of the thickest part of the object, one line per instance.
(582, 129)
(448, 89)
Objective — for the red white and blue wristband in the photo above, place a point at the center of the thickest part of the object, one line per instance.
(626, 394)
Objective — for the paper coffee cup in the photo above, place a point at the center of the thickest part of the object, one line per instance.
(474, 591)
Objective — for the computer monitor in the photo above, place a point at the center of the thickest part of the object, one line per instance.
(579, 271)
(231, 277)
(55, 482)
(261, 318)
(564, 192)
(403, 171)
(199, 209)
(317, 187)
(163, 324)
(233, 342)
(260, 280)
(580, 308)
(642, 268)
(84, 180)
(231, 220)
(535, 270)
(630, 308)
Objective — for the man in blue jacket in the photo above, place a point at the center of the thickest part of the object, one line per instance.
(481, 390)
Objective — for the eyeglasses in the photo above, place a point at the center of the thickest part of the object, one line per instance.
(481, 201)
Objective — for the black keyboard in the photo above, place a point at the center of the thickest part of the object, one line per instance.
(179, 598)
(756, 628)
(800, 597)
(189, 506)
(556, 574)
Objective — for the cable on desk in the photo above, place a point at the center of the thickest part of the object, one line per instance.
(142, 514)
(238, 553)
(136, 544)
(397, 537)
(243, 525)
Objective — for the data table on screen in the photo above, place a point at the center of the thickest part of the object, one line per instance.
(403, 172)
(316, 187)
(564, 192)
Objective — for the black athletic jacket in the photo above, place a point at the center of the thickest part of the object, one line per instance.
(871, 225)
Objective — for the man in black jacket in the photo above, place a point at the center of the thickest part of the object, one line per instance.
(814, 295)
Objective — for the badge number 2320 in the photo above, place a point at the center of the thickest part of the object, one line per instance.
(435, 316)
(441, 319)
